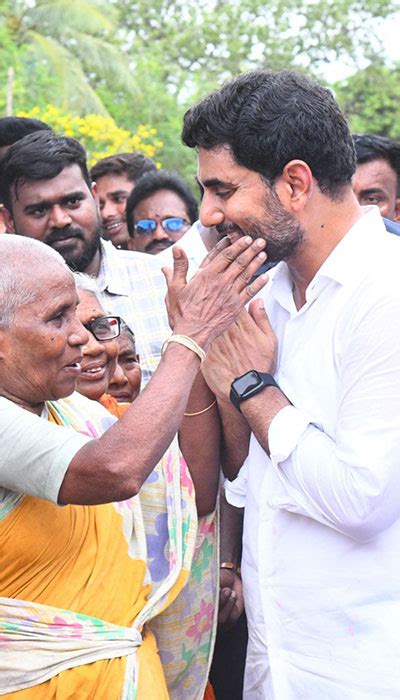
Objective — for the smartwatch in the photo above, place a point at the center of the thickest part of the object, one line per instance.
(248, 385)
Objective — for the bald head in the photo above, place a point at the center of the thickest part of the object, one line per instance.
(25, 264)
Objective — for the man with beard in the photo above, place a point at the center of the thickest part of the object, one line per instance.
(159, 211)
(308, 386)
(47, 195)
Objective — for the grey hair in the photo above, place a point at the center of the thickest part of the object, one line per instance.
(128, 331)
(20, 258)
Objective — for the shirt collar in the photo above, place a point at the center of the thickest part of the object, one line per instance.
(111, 275)
(356, 249)
(345, 264)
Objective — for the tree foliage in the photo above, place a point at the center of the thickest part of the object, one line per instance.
(198, 43)
(60, 49)
(99, 134)
(371, 100)
(144, 62)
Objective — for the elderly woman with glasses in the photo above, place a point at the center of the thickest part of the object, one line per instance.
(110, 371)
(82, 585)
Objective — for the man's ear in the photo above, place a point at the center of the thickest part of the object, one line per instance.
(95, 193)
(295, 185)
(397, 210)
(8, 220)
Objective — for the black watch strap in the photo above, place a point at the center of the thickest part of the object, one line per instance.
(248, 385)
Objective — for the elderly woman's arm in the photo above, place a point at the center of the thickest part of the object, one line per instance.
(115, 466)
(199, 439)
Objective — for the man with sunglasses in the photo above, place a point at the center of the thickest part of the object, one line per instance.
(159, 211)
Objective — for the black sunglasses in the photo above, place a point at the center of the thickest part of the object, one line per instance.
(104, 327)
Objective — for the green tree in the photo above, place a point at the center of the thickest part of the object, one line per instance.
(60, 50)
(198, 43)
(182, 49)
(371, 100)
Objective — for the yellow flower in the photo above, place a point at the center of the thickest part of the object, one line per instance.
(101, 136)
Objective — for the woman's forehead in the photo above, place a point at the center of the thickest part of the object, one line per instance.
(88, 302)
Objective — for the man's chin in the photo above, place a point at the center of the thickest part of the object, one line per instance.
(234, 236)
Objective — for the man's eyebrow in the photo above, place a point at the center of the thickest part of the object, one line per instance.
(372, 190)
(214, 182)
(115, 193)
(79, 194)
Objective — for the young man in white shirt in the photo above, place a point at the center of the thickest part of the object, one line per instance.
(308, 385)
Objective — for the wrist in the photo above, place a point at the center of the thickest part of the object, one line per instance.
(201, 337)
(230, 566)
(181, 356)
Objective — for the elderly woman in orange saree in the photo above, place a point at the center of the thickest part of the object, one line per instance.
(79, 588)
(175, 627)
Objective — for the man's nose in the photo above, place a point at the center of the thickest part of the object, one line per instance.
(159, 234)
(211, 213)
(59, 217)
(119, 378)
(109, 210)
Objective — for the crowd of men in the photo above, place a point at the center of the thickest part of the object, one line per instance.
(306, 380)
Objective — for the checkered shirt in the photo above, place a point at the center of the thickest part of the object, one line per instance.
(132, 286)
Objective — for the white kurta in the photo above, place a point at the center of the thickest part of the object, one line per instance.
(321, 551)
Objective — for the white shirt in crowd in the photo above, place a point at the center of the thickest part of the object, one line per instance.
(132, 286)
(193, 245)
(321, 543)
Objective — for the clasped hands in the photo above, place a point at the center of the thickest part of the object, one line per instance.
(249, 343)
(210, 309)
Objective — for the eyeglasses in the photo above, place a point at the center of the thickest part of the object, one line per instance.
(174, 224)
(104, 327)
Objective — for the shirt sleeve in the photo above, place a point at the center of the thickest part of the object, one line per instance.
(34, 454)
(349, 480)
(235, 491)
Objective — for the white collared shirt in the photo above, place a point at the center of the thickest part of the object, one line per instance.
(321, 550)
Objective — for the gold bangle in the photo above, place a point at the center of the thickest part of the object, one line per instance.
(198, 413)
(231, 567)
(188, 343)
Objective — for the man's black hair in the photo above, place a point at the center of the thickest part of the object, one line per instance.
(160, 180)
(371, 147)
(268, 118)
(131, 165)
(13, 129)
(39, 156)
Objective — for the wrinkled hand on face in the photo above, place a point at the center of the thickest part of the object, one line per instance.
(212, 300)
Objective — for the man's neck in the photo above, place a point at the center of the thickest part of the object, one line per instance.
(93, 268)
(325, 227)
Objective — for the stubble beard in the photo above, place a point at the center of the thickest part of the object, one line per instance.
(282, 232)
(81, 261)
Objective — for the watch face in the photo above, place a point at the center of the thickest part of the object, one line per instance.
(246, 383)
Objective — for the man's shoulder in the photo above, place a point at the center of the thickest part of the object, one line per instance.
(392, 226)
(130, 259)
(125, 272)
